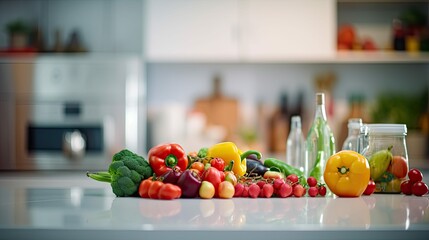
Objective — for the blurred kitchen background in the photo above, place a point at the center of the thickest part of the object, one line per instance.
(82, 79)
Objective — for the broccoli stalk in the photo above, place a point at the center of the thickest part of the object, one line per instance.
(125, 173)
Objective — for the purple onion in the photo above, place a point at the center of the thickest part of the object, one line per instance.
(190, 183)
(171, 176)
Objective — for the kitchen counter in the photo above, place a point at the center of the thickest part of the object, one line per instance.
(71, 206)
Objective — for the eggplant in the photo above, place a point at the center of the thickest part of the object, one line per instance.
(171, 176)
(190, 183)
(255, 167)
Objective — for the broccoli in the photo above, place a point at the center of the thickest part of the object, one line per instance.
(125, 173)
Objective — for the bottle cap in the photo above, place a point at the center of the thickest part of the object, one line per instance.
(320, 98)
(296, 121)
(354, 123)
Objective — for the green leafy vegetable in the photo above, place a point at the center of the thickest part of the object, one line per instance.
(125, 173)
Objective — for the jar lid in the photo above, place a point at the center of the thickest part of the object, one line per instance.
(387, 129)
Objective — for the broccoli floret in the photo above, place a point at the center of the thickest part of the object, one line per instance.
(125, 173)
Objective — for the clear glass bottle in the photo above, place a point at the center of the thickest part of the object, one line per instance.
(320, 144)
(295, 145)
(386, 151)
(352, 140)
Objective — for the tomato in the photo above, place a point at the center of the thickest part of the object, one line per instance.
(214, 176)
(226, 189)
(198, 165)
(169, 191)
(144, 188)
(370, 188)
(419, 188)
(399, 167)
(347, 173)
(218, 163)
(154, 189)
(406, 187)
(293, 178)
(207, 190)
(415, 175)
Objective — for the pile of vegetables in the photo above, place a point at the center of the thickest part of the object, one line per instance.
(224, 171)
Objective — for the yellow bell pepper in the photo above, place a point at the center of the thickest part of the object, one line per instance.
(347, 174)
(228, 151)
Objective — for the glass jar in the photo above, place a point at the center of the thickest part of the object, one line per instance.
(386, 151)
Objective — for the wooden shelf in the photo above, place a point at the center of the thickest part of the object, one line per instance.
(381, 57)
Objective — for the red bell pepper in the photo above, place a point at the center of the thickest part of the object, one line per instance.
(164, 157)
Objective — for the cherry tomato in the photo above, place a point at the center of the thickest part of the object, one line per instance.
(415, 175)
(312, 181)
(144, 188)
(419, 188)
(292, 178)
(154, 189)
(169, 191)
(406, 187)
(198, 165)
(322, 190)
(370, 188)
(218, 163)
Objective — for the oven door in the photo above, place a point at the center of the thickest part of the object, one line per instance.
(70, 112)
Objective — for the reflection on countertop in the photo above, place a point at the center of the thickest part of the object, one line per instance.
(97, 209)
(45, 206)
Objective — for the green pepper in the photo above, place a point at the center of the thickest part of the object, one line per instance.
(283, 167)
(316, 171)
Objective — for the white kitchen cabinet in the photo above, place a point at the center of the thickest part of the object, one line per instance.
(250, 30)
(112, 26)
(191, 30)
(287, 29)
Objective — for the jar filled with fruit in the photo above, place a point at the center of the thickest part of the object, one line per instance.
(386, 151)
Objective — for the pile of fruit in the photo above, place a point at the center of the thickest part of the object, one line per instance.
(224, 171)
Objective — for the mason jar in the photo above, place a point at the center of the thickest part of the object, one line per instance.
(384, 146)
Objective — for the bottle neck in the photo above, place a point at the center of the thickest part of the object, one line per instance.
(320, 112)
(295, 124)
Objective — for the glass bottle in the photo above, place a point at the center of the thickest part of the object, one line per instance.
(386, 151)
(295, 146)
(320, 144)
(351, 142)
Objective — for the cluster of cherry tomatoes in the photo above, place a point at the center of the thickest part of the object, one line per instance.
(414, 185)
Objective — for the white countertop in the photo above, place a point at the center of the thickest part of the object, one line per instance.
(71, 206)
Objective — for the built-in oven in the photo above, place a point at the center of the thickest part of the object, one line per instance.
(70, 112)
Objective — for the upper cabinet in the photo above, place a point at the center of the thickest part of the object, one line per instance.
(192, 30)
(294, 31)
(64, 26)
(238, 30)
(287, 29)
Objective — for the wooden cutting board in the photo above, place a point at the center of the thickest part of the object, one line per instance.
(220, 110)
